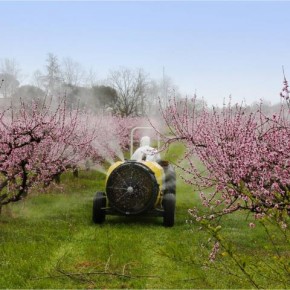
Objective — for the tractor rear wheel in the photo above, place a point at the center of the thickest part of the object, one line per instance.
(99, 203)
(170, 179)
(169, 209)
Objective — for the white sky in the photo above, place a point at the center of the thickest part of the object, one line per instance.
(211, 47)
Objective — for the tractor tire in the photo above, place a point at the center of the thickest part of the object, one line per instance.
(99, 203)
(168, 202)
(170, 179)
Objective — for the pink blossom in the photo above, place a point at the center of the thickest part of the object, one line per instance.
(244, 155)
(214, 252)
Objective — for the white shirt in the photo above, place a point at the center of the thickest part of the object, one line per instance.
(150, 153)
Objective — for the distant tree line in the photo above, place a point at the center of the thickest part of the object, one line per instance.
(125, 92)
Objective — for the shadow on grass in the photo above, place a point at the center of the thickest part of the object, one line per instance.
(146, 221)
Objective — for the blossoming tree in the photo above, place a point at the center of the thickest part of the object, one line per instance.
(237, 159)
(36, 144)
(39, 142)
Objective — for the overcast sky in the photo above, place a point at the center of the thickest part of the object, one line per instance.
(214, 48)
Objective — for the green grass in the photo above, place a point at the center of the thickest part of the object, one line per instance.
(49, 241)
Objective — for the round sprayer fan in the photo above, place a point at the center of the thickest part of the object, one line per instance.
(132, 188)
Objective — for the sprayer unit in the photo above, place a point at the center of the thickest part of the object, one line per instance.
(137, 188)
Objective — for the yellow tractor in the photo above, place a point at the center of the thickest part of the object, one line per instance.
(138, 188)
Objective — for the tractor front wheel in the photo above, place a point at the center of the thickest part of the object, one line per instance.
(169, 209)
(99, 203)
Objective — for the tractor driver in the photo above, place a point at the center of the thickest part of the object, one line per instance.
(145, 151)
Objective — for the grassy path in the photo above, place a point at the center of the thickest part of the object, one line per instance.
(49, 241)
